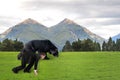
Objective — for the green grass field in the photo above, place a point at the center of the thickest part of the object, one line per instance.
(68, 66)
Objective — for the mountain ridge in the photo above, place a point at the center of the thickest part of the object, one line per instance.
(66, 20)
(29, 21)
(67, 29)
(114, 38)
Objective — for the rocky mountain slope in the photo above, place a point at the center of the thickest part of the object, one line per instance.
(58, 34)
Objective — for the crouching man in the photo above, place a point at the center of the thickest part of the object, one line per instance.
(33, 60)
(28, 54)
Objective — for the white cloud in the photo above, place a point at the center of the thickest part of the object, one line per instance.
(99, 16)
(3, 28)
(104, 27)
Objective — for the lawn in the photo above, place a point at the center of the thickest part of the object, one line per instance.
(68, 66)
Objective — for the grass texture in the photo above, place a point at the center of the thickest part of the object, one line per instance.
(68, 66)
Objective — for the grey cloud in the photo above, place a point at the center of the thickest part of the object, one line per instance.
(69, 3)
(81, 8)
(112, 21)
(102, 22)
(73, 2)
(86, 8)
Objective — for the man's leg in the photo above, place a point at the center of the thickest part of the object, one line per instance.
(31, 63)
(22, 66)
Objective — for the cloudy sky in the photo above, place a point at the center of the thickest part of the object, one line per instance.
(99, 16)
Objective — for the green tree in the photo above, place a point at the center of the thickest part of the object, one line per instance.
(110, 45)
(67, 46)
(0, 46)
(97, 46)
(118, 45)
(10, 45)
(76, 46)
(17, 45)
(87, 45)
(104, 46)
(114, 46)
(7, 45)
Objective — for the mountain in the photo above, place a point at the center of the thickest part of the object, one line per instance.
(116, 37)
(58, 34)
(69, 30)
(27, 30)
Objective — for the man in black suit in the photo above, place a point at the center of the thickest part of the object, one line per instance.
(28, 54)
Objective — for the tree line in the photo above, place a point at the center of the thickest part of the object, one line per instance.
(80, 45)
(11, 45)
(111, 45)
(89, 45)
